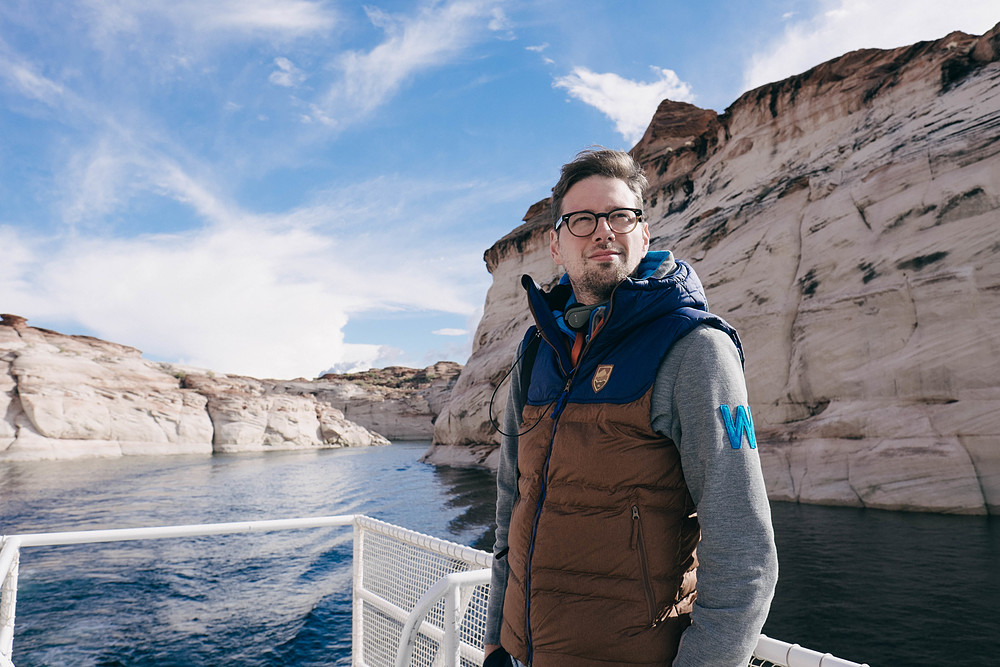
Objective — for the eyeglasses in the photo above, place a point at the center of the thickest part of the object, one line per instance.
(584, 223)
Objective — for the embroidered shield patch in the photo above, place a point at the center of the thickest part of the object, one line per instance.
(601, 377)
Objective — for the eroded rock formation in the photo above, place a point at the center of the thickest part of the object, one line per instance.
(399, 403)
(846, 221)
(76, 396)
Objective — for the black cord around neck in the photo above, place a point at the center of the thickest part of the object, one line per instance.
(536, 340)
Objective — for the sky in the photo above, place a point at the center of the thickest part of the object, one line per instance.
(280, 188)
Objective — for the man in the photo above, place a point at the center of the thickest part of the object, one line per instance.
(631, 445)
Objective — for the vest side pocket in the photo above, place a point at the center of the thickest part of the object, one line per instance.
(639, 545)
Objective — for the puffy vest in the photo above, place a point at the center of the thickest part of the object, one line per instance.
(603, 533)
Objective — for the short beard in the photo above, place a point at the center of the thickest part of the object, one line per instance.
(597, 285)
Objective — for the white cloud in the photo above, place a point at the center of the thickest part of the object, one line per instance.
(385, 355)
(846, 25)
(26, 78)
(103, 178)
(630, 104)
(262, 295)
(266, 17)
(498, 20)
(94, 181)
(450, 332)
(28, 82)
(288, 16)
(501, 25)
(287, 74)
(437, 34)
(262, 299)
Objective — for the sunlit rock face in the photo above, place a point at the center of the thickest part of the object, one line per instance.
(847, 222)
(74, 396)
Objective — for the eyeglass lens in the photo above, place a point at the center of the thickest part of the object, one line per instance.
(583, 223)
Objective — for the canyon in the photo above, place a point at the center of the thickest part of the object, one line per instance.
(845, 220)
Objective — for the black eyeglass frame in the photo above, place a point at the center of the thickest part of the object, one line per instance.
(597, 218)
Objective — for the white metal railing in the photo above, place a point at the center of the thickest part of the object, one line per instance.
(417, 599)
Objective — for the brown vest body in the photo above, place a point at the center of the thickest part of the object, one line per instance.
(612, 561)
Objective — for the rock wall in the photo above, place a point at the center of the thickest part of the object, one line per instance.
(846, 221)
(74, 396)
(399, 403)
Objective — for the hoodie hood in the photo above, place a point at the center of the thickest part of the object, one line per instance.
(672, 283)
(661, 285)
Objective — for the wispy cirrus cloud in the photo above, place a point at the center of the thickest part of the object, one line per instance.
(30, 83)
(630, 104)
(434, 36)
(102, 178)
(846, 25)
(271, 17)
(26, 79)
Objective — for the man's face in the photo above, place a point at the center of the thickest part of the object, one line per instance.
(597, 263)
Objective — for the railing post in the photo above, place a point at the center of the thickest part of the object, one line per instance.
(9, 559)
(357, 601)
(452, 626)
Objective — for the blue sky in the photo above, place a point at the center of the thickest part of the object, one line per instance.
(281, 187)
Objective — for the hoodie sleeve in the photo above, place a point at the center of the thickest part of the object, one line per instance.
(699, 382)
(506, 494)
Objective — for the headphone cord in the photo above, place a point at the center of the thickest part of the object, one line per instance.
(493, 421)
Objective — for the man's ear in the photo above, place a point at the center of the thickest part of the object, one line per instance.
(645, 237)
(554, 245)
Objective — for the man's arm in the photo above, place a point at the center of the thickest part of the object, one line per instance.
(737, 562)
(506, 494)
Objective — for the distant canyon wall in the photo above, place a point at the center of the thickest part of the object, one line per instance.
(64, 397)
(847, 222)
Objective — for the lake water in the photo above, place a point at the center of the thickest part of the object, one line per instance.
(878, 587)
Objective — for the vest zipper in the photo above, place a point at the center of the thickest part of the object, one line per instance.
(640, 544)
(560, 404)
(556, 413)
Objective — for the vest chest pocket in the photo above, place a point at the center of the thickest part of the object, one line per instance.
(639, 545)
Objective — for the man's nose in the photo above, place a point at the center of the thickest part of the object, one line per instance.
(603, 230)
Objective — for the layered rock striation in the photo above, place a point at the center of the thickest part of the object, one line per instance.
(75, 396)
(846, 221)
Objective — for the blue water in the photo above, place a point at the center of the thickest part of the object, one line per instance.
(878, 587)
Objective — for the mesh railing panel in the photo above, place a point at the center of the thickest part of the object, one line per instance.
(399, 566)
(474, 621)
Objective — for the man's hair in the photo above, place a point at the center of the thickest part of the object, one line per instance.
(598, 162)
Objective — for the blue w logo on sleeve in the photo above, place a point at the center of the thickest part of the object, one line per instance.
(738, 424)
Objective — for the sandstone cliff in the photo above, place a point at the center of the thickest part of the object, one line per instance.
(399, 403)
(846, 221)
(75, 396)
